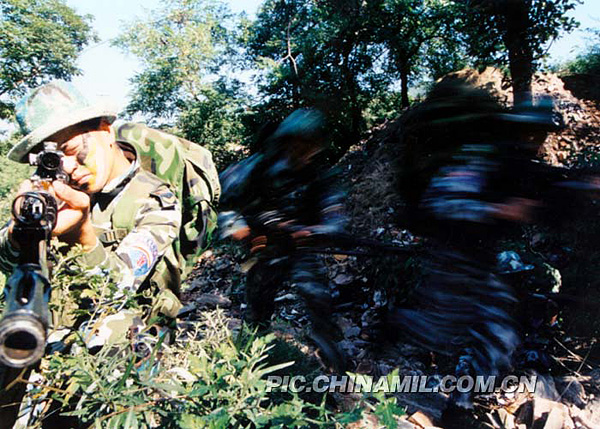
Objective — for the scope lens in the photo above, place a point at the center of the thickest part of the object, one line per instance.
(50, 160)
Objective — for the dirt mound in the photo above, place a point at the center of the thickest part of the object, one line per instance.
(581, 134)
(368, 172)
(580, 115)
(491, 79)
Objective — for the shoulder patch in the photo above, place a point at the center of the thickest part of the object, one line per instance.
(140, 252)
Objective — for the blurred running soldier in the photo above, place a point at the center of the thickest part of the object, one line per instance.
(281, 200)
(469, 177)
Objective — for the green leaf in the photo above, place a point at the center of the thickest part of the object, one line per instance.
(387, 412)
(131, 421)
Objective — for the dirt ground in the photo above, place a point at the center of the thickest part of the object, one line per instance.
(567, 394)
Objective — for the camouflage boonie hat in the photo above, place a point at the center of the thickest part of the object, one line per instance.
(52, 108)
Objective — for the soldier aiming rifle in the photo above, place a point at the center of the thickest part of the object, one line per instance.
(117, 191)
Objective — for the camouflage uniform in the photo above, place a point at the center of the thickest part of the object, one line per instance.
(462, 303)
(144, 258)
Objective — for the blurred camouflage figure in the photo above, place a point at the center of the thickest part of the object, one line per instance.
(470, 177)
(130, 222)
(281, 200)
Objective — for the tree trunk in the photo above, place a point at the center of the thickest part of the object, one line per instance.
(515, 14)
(351, 88)
(521, 71)
(404, 85)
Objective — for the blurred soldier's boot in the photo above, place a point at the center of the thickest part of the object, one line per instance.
(310, 281)
(458, 413)
(263, 281)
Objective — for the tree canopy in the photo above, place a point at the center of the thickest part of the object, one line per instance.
(317, 54)
(356, 60)
(39, 40)
(187, 49)
(513, 33)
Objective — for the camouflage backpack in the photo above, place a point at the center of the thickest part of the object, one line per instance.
(189, 169)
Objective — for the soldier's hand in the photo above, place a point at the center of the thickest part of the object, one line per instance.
(517, 210)
(73, 224)
(25, 186)
(258, 243)
(302, 237)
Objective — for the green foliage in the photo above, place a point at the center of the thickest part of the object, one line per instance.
(588, 61)
(216, 122)
(210, 377)
(187, 48)
(78, 295)
(416, 34)
(492, 26)
(181, 46)
(316, 54)
(348, 59)
(381, 107)
(384, 406)
(39, 40)
(11, 175)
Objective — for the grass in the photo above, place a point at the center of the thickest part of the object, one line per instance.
(11, 175)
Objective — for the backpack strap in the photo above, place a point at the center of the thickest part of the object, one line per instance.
(199, 160)
(127, 206)
(113, 236)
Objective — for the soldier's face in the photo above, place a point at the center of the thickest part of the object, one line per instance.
(88, 156)
(302, 152)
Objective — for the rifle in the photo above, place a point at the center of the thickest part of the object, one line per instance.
(341, 240)
(323, 242)
(27, 292)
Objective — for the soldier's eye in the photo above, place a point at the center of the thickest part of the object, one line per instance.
(69, 151)
(84, 149)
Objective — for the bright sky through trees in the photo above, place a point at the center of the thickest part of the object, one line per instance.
(106, 71)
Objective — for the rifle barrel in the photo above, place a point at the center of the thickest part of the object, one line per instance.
(23, 325)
